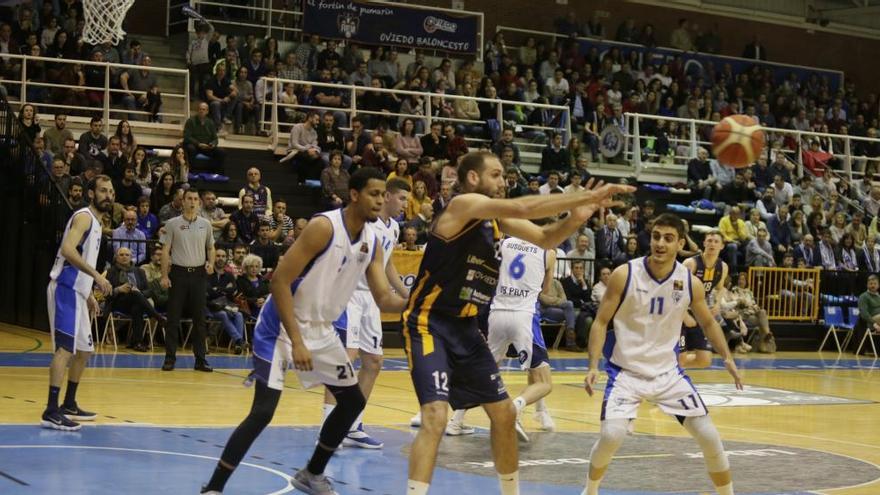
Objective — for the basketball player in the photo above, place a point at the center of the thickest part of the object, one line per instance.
(711, 271)
(70, 302)
(450, 362)
(360, 325)
(647, 299)
(514, 319)
(310, 287)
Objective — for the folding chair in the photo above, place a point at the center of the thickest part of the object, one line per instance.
(117, 317)
(869, 335)
(836, 324)
(560, 330)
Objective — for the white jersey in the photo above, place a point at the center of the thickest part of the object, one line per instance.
(521, 276)
(324, 288)
(386, 235)
(67, 275)
(647, 323)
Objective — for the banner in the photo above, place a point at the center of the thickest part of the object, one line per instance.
(376, 23)
(697, 64)
(407, 264)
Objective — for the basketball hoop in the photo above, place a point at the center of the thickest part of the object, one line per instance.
(104, 20)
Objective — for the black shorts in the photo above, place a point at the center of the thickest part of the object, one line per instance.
(450, 361)
(693, 339)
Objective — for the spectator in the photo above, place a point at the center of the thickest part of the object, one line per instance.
(552, 185)
(222, 97)
(456, 146)
(782, 190)
(305, 149)
(357, 142)
(377, 156)
(153, 271)
(246, 219)
(515, 187)
(533, 186)
(609, 242)
(759, 251)
(555, 156)
(327, 96)
(401, 171)
(246, 108)
(172, 209)
(334, 182)
(251, 286)
(131, 297)
(127, 142)
(200, 137)
(467, 109)
(138, 85)
(93, 142)
(754, 223)
(699, 177)
(869, 305)
(264, 247)
(434, 143)
(755, 50)
(147, 222)
(213, 213)
(143, 171)
(733, 230)
(780, 234)
(281, 224)
(128, 192)
(416, 200)
(163, 193)
(577, 290)
(827, 252)
(220, 297)
(261, 193)
(112, 160)
(848, 258)
(506, 141)
(360, 77)
(56, 136)
(555, 306)
(869, 256)
(178, 164)
(330, 139)
(681, 37)
(426, 174)
(583, 250)
(807, 252)
(198, 61)
(409, 239)
(408, 144)
(443, 198)
(229, 237)
(422, 222)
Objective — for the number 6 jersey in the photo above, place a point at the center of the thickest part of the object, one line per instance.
(647, 323)
(520, 277)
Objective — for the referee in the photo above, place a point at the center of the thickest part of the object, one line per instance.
(187, 260)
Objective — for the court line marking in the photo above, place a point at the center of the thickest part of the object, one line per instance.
(13, 478)
(287, 478)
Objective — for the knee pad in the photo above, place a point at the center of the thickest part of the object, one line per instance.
(705, 433)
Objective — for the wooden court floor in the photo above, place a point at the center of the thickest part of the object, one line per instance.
(129, 389)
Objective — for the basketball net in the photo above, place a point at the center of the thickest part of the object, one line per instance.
(104, 20)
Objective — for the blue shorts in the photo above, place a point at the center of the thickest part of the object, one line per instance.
(693, 339)
(450, 361)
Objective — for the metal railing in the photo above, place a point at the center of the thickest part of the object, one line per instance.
(786, 294)
(641, 156)
(261, 14)
(42, 90)
(276, 127)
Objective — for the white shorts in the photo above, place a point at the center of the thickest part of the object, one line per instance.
(518, 328)
(69, 321)
(364, 323)
(672, 391)
(330, 364)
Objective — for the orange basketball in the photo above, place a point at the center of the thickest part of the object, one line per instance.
(737, 141)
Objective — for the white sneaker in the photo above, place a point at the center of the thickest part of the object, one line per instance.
(546, 421)
(416, 421)
(455, 429)
(520, 431)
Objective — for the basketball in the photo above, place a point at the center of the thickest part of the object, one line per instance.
(737, 141)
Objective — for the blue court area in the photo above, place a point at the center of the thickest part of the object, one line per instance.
(128, 360)
(108, 460)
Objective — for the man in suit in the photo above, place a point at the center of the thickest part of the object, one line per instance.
(808, 251)
(578, 291)
(780, 234)
(869, 256)
(130, 296)
(609, 242)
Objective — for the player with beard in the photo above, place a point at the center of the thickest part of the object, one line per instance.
(70, 302)
(450, 361)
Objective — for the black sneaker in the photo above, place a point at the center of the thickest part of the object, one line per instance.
(75, 413)
(168, 365)
(205, 491)
(238, 348)
(56, 421)
(203, 366)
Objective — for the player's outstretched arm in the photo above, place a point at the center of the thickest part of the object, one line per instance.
(610, 302)
(471, 206)
(394, 279)
(314, 239)
(79, 227)
(377, 279)
(712, 329)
